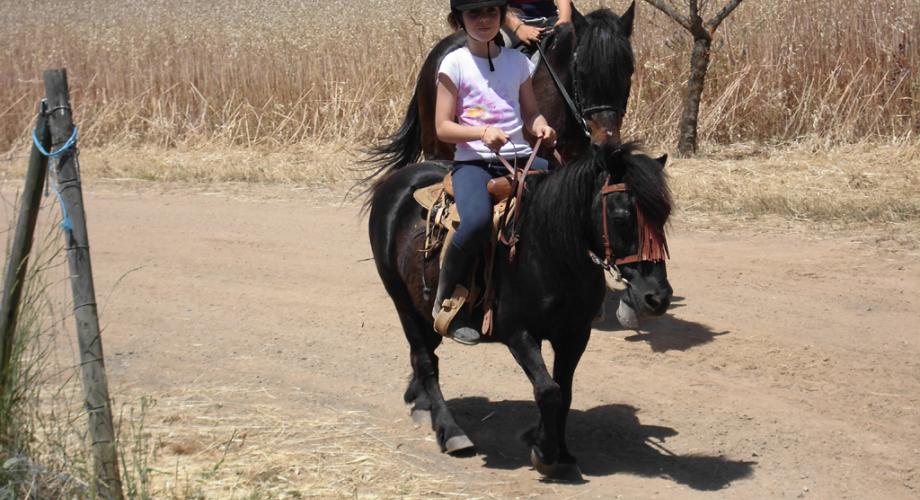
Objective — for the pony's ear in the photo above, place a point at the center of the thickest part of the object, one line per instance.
(663, 159)
(612, 157)
(626, 20)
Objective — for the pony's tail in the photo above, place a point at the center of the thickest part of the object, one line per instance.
(391, 153)
(399, 149)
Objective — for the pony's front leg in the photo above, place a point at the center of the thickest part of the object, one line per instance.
(568, 354)
(548, 395)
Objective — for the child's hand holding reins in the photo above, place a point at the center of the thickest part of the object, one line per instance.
(547, 133)
(494, 138)
(528, 34)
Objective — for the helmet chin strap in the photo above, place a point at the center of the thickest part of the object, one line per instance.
(488, 49)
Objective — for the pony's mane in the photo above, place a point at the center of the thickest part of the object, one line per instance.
(605, 58)
(563, 195)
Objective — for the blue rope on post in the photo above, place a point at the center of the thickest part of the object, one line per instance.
(67, 145)
(66, 223)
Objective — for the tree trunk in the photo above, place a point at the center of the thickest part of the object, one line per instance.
(699, 63)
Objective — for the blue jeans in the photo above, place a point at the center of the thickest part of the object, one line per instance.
(473, 200)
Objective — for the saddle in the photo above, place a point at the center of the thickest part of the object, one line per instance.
(500, 189)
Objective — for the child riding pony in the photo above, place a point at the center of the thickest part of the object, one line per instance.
(484, 103)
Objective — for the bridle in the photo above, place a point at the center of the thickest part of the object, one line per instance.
(651, 247)
(580, 111)
(587, 111)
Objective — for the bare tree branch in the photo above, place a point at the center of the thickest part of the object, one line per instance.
(714, 23)
(694, 11)
(673, 14)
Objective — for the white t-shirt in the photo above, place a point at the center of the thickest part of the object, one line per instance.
(489, 98)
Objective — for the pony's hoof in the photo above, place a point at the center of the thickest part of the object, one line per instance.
(421, 417)
(458, 445)
(558, 471)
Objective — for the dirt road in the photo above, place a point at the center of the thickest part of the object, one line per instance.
(789, 365)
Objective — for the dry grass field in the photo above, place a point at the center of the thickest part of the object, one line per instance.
(823, 97)
(281, 73)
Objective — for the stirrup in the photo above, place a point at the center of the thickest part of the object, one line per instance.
(449, 310)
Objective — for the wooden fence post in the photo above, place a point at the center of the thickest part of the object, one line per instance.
(22, 245)
(95, 385)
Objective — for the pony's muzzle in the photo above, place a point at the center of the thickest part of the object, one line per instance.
(656, 303)
(604, 128)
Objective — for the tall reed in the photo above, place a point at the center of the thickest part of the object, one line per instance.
(45, 450)
(276, 73)
(33, 463)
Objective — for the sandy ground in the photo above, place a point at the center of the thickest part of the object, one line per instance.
(788, 366)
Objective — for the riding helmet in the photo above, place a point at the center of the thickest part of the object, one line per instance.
(463, 5)
(457, 7)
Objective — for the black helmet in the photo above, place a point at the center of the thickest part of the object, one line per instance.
(457, 7)
(462, 5)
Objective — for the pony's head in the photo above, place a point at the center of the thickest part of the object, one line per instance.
(602, 71)
(629, 214)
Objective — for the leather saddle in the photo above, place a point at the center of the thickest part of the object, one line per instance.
(500, 189)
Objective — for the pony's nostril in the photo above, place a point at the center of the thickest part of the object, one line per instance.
(665, 304)
(652, 300)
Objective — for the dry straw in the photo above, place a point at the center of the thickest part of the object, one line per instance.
(224, 445)
(277, 73)
(811, 109)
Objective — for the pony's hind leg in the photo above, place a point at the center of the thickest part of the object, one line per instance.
(417, 398)
(424, 391)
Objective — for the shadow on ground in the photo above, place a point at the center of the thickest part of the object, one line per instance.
(665, 333)
(606, 440)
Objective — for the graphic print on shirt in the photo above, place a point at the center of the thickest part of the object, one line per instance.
(484, 106)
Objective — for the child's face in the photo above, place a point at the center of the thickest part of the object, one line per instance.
(483, 23)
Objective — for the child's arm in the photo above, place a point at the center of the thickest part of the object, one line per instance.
(533, 119)
(565, 11)
(450, 131)
(527, 34)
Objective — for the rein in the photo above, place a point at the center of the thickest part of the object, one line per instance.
(518, 177)
(565, 95)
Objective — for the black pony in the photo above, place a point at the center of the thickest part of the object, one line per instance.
(598, 205)
(592, 57)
